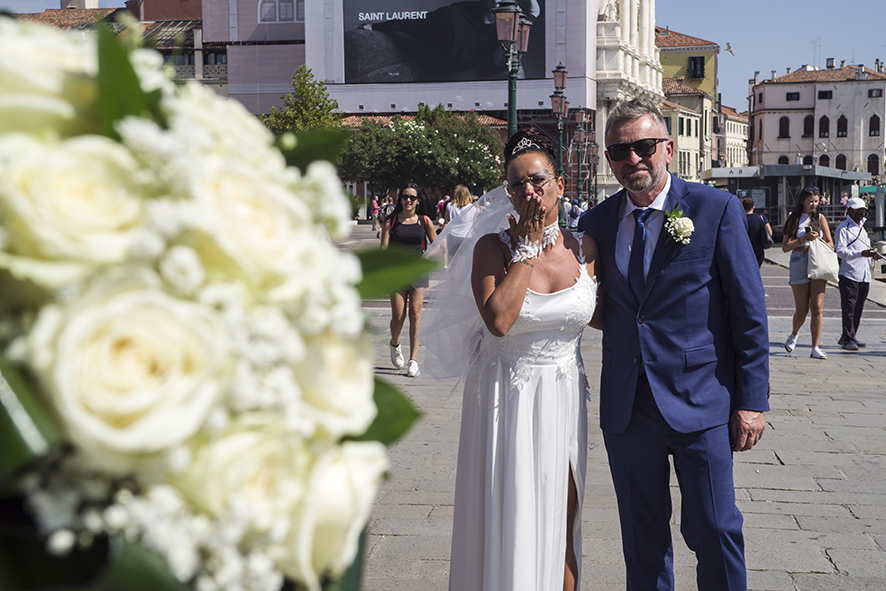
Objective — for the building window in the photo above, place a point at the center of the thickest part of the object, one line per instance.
(842, 126)
(281, 11)
(825, 94)
(783, 160)
(875, 93)
(875, 125)
(760, 98)
(840, 163)
(751, 133)
(784, 127)
(695, 69)
(807, 161)
(824, 160)
(668, 123)
(808, 126)
(792, 96)
(681, 127)
(874, 165)
(696, 127)
(824, 127)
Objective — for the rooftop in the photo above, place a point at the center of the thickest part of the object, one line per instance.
(664, 37)
(357, 120)
(730, 112)
(678, 86)
(671, 106)
(70, 18)
(844, 74)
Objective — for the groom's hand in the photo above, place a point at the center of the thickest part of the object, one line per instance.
(746, 429)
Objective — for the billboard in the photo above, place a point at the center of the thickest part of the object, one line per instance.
(432, 41)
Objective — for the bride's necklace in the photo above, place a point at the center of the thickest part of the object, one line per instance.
(552, 232)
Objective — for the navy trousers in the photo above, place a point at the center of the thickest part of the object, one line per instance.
(710, 521)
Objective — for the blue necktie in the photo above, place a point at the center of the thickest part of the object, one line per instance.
(636, 277)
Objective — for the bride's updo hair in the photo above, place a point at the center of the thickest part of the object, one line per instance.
(529, 141)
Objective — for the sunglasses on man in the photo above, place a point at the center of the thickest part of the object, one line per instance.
(642, 148)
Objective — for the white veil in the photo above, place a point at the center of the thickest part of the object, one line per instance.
(452, 329)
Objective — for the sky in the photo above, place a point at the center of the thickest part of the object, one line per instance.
(768, 35)
(764, 35)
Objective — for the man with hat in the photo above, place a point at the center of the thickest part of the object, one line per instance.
(854, 251)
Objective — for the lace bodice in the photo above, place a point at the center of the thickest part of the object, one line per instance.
(548, 329)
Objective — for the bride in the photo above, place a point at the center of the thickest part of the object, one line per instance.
(509, 320)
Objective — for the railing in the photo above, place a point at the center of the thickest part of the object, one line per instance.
(209, 71)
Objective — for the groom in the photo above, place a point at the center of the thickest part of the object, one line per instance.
(685, 354)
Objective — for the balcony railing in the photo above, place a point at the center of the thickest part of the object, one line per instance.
(209, 71)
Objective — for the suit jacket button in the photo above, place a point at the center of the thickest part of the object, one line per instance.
(641, 319)
(636, 361)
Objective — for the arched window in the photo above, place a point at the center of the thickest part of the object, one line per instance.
(824, 160)
(783, 160)
(807, 161)
(875, 125)
(784, 127)
(808, 126)
(840, 164)
(842, 126)
(824, 127)
(874, 164)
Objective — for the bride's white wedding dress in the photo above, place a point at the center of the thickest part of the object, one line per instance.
(524, 423)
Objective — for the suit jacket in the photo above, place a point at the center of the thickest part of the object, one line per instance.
(700, 329)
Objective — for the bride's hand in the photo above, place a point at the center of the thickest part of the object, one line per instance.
(532, 221)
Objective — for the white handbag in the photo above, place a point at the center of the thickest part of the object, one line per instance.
(822, 262)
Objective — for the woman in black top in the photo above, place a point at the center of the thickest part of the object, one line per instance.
(409, 230)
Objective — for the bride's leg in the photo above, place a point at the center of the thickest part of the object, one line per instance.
(571, 566)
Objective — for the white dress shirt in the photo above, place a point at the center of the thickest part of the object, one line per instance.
(850, 239)
(654, 224)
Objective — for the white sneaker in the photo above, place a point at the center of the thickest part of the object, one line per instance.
(396, 356)
(790, 343)
(818, 353)
(412, 368)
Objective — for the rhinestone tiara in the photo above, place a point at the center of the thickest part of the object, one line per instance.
(525, 144)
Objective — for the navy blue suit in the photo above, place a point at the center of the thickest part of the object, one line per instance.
(700, 335)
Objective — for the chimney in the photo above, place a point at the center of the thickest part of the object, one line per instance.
(830, 63)
(842, 64)
(773, 75)
(787, 70)
(877, 65)
(756, 77)
(861, 75)
(680, 79)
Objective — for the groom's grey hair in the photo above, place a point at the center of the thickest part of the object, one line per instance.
(634, 109)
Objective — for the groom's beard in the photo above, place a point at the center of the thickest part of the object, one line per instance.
(637, 183)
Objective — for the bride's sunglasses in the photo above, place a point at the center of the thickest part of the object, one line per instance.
(642, 148)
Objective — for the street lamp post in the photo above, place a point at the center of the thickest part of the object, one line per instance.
(512, 31)
(560, 107)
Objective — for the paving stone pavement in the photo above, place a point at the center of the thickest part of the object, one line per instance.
(813, 491)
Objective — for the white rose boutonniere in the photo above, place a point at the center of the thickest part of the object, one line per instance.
(680, 228)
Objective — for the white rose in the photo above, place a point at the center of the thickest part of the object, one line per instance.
(257, 465)
(336, 380)
(322, 190)
(68, 207)
(682, 229)
(47, 78)
(129, 369)
(252, 229)
(194, 116)
(326, 529)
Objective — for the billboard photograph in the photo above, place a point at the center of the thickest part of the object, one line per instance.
(433, 41)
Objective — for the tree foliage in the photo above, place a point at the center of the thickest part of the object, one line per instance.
(307, 107)
(436, 149)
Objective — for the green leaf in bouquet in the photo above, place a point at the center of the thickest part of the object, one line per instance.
(352, 577)
(28, 429)
(311, 145)
(396, 414)
(119, 92)
(390, 270)
(133, 568)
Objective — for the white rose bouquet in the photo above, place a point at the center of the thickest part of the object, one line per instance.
(187, 387)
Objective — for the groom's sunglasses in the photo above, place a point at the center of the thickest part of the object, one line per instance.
(642, 148)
